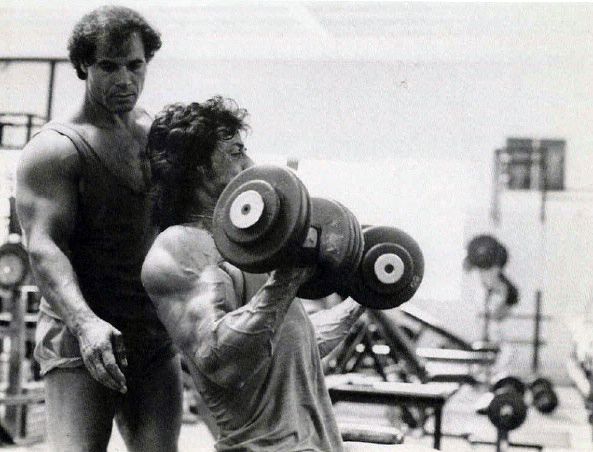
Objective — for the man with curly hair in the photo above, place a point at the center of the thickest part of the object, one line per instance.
(84, 205)
(254, 353)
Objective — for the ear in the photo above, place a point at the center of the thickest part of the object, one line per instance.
(84, 68)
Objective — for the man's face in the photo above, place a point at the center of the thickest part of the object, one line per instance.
(116, 78)
(228, 160)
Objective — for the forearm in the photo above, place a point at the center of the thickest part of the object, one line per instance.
(58, 284)
(237, 344)
(332, 325)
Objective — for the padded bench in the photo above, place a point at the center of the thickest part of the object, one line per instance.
(355, 388)
(457, 356)
(376, 434)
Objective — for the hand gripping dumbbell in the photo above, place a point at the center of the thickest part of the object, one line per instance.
(265, 219)
(543, 396)
(506, 407)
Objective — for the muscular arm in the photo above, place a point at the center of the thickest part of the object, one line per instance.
(332, 325)
(46, 206)
(47, 191)
(195, 299)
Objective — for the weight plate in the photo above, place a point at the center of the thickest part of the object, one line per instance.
(250, 212)
(376, 283)
(279, 246)
(14, 265)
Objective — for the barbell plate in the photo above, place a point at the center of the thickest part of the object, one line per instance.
(14, 265)
(377, 285)
(279, 245)
(507, 410)
(251, 211)
(335, 226)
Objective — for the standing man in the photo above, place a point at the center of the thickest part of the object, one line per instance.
(83, 203)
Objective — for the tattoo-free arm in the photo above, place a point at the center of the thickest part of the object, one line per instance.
(47, 195)
(331, 325)
(196, 302)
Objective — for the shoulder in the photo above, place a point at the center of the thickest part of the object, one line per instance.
(177, 258)
(51, 151)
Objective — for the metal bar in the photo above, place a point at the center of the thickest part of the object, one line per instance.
(50, 92)
(29, 126)
(33, 59)
(536, 332)
(438, 422)
(13, 416)
(523, 316)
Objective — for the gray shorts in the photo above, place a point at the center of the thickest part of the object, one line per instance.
(56, 347)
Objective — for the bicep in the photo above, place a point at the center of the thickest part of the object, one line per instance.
(187, 298)
(47, 190)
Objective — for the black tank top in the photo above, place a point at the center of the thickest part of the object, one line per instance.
(110, 240)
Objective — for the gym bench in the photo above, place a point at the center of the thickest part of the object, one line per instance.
(351, 388)
(457, 356)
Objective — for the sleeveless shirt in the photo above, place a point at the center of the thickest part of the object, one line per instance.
(110, 240)
(286, 405)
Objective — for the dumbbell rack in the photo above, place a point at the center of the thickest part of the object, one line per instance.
(21, 401)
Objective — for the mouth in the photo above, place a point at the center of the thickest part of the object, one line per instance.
(124, 96)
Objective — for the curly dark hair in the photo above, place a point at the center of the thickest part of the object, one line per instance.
(116, 24)
(181, 141)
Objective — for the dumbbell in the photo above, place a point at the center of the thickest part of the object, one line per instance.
(543, 396)
(506, 407)
(390, 271)
(265, 219)
(14, 265)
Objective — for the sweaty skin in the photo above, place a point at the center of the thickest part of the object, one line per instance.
(197, 301)
(247, 349)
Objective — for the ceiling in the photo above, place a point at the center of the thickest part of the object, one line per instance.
(323, 30)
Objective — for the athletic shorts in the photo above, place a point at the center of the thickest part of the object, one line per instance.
(57, 347)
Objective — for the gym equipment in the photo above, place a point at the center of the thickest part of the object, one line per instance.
(505, 403)
(265, 219)
(484, 251)
(378, 340)
(391, 269)
(543, 396)
(23, 411)
(359, 389)
(452, 340)
(14, 265)
(262, 218)
(338, 247)
(506, 410)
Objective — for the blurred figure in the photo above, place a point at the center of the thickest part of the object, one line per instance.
(488, 257)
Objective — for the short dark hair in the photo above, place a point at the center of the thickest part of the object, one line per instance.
(116, 24)
(181, 141)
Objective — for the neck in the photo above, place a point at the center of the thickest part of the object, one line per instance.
(97, 114)
(205, 211)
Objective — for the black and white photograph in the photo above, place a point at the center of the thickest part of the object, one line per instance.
(289, 226)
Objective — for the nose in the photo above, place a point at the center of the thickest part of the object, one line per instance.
(123, 77)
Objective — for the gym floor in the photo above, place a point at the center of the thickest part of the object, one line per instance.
(565, 430)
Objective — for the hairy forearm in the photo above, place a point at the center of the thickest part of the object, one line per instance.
(332, 325)
(58, 284)
(233, 346)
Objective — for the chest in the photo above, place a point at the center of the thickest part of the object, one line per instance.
(121, 153)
